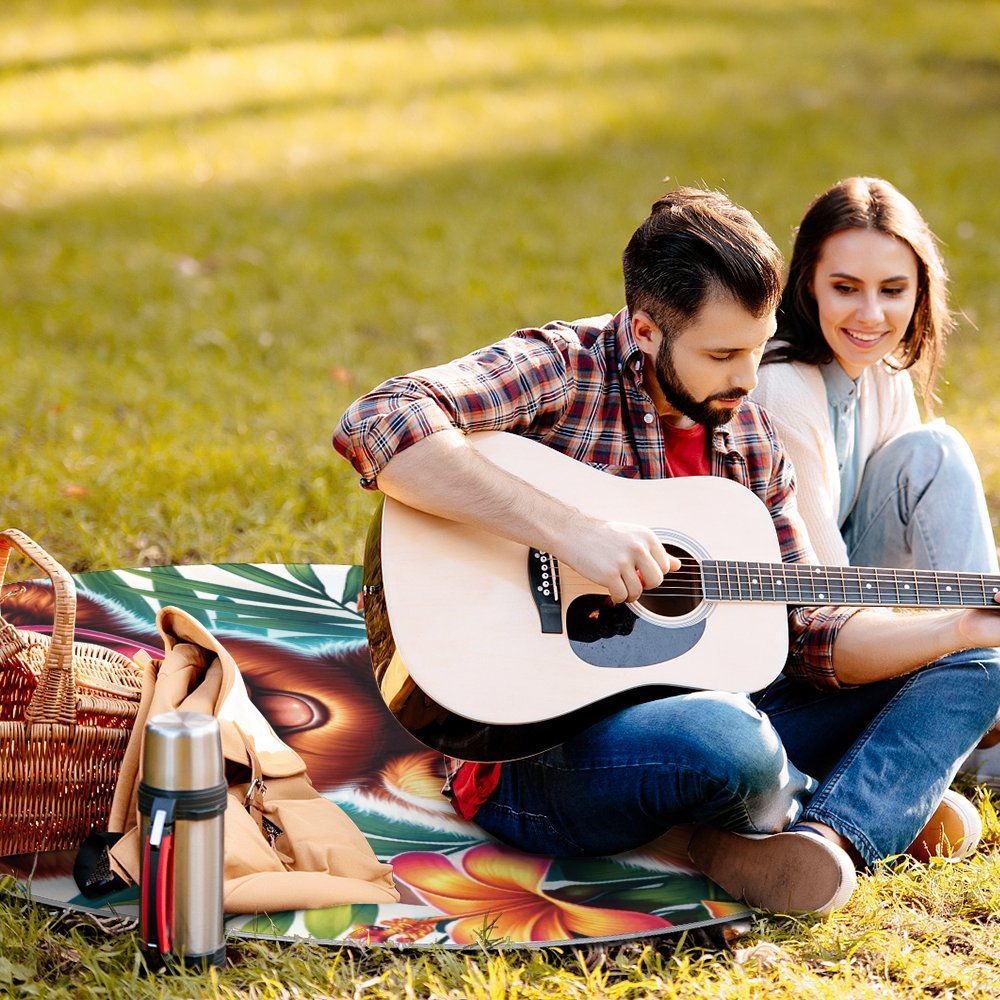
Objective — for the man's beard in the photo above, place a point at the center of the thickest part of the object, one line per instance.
(680, 399)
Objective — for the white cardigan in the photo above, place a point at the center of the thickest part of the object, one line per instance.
(794, 395)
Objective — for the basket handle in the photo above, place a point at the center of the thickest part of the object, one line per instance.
(54, 700)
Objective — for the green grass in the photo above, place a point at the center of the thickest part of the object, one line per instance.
(910, 932)
(221, 221)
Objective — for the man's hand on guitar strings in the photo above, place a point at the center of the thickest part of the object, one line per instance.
(622, 557)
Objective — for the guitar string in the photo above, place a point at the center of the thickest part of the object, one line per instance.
(806, 573)
(810, 571)
(689, 581)
(833, 599)
(834, 595)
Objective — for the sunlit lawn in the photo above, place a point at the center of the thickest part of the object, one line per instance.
(222, 221)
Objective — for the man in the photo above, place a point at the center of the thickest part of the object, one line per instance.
(851, 750)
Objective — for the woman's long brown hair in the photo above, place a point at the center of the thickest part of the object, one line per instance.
(866, 203)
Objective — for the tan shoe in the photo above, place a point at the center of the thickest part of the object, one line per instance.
(953, 832)
(788, 872)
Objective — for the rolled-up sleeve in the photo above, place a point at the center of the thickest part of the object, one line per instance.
(515, 384)
(382, 423)
(812, 632)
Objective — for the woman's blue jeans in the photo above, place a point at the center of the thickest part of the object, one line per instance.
(872, 762)
(920, 505)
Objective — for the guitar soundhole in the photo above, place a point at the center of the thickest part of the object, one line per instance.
(680, 593)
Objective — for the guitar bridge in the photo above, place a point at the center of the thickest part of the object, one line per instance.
(543, 578)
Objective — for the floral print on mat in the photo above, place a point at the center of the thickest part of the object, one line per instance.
(496, 893)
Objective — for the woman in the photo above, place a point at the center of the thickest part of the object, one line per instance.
(865, 304)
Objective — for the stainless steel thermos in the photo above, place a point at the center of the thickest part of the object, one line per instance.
(182, 801)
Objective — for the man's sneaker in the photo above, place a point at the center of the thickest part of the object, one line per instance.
(788, 872)
(953, 831)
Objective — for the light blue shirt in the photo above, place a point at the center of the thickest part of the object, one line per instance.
(842, 402)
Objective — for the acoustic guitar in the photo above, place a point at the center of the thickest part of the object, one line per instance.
(489, 650)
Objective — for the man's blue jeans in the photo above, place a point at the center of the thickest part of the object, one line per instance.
(872, 762)
(886, 752)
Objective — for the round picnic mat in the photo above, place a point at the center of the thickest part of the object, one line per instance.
(299, 640)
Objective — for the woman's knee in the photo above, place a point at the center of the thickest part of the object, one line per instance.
(927, 452)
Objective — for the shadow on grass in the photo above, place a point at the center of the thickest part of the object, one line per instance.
(244, 24)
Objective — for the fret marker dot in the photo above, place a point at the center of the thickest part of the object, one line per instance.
(780, 582)
(947, 588)
(753, 579)
(906, 586)
(823, 596)
(868, 586)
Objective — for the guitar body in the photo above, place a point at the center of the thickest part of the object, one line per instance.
(475, 663)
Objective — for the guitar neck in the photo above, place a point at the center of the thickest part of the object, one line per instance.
(801, 583)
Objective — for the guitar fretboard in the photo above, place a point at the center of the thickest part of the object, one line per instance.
(800, 583)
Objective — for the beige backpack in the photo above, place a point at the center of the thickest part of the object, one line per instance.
(286, 846)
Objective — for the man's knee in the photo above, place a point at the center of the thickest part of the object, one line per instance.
(967, 682)
(764, 789)
(737, 737)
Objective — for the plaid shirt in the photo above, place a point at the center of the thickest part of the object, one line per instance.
(577, 387)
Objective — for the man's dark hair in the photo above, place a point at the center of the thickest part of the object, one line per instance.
(694, 244)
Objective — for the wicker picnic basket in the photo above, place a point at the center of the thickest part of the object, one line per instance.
(66, 711)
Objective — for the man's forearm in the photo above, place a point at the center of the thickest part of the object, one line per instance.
(878, 643)
(444, 475)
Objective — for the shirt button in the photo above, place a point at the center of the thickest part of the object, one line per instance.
(648, 418)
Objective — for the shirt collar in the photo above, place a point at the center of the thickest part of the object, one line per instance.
(722, 439)
(630, 357)
(840, 387)
(632, 360)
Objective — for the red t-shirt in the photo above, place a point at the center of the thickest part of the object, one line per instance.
(686, 455)
(472, 785)
(686, 450)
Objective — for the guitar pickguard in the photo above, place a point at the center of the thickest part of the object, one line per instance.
(612, 635)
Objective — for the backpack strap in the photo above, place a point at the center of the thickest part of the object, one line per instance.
(253, 801)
